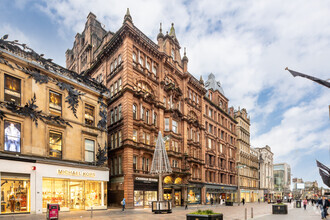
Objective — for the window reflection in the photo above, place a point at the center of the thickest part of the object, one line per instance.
(12, 89)
(55, 103)
(55, 144)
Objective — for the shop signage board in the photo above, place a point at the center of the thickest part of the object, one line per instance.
(145, 179)
(75, 173)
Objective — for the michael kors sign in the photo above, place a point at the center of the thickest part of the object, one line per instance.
(75, 173)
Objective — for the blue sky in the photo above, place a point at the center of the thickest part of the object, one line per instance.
(246, 44)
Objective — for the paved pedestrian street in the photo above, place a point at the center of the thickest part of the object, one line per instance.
(260, 212)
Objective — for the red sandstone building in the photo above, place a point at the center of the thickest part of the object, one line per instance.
(152, 90)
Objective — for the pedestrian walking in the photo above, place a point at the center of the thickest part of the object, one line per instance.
(305, 203)
(323, 204)
(243, 201)
(212, 201)
(258, 200)
(123, 203)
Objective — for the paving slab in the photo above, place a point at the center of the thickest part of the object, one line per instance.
(261, 211)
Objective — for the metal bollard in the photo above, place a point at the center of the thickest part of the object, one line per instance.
(251, 212)
(245, 214)
(92, 212)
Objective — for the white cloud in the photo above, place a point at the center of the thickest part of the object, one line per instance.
(15, 34)
(247, 45)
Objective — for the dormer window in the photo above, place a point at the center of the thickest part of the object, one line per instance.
(173, 54)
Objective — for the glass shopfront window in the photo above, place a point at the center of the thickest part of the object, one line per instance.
(194, 195)
(55, 191)
(73, 194)
(15, 194)
(144, 198)
(149, 196)
(138, 198)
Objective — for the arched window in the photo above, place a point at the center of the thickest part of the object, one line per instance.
(147, 116)
(111, 67)
(134, 57)
(148, 66)
(173, 54)
(154, 69)
(144, 87)
(134, 112)
(115, 65)
(119, 59)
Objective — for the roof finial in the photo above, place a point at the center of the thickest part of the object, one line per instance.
(160, 35)
(201, 80)
(184, 58)
(128, 17)
(172, 31)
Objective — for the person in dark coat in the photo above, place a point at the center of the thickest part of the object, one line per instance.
(323, 204)
(243, 201)
(212, 201)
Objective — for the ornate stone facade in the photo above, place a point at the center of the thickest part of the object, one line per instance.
(50, 134)
(266, 174)
(247, 159)
(152, 90)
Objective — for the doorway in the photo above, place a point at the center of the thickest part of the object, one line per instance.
(77, 195)
(178, 198)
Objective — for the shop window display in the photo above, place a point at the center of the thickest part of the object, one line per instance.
(93, 192)
(138, 198)
(149, 196)
(12, 136)
(55, 191)
(73, 194)
(15, 195)
(194, 195)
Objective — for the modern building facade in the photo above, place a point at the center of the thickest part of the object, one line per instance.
(247, 159)
(282, 180)
(50, 128)
(152, 90)
(266, 176)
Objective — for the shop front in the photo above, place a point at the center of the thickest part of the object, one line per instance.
(250, 195)
(28, 186)
(174, 190)
(219, 193)
(74, 194)
(145, 191)
(15, 193)
(194, 192)
(72, 188)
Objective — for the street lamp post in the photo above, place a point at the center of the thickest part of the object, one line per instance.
(238, 183)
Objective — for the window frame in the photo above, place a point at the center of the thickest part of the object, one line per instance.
(49, 103)
(88, 139)
(19, 101)
(49, 144)
(93, 108)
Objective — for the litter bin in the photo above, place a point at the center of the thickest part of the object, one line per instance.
(298, 204)
(52, 211)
